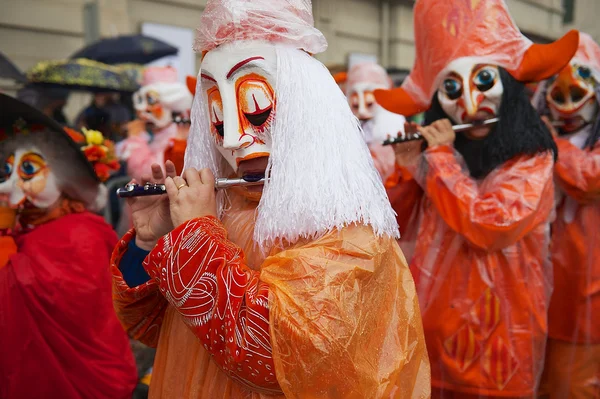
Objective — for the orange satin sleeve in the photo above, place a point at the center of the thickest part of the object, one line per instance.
(578, 171)
(345, 319)
(141, 309)
(515, 198)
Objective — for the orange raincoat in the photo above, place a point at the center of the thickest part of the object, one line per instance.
(573, 360)
(482, 276)
(336, 317)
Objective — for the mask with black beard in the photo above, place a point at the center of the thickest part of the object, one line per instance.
(520, 131)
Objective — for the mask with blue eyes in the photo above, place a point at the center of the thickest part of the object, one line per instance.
(26, 179)
(470, 91)
(571, 97)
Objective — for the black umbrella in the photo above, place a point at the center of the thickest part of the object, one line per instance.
(127, 49)
(8, 70)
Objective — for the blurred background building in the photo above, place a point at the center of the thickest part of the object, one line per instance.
(34, 30)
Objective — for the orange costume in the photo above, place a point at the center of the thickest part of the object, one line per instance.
(573, 354)
(299, 290)
(316, 335)
(481, 262)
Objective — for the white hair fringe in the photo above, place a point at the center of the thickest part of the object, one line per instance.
(321, 174)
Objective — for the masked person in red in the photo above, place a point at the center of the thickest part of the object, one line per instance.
(481, 262)
(294, 287)
(573, 354)
(59, 335)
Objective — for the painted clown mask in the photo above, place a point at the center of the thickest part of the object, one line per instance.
(156, 103)
(238, 89)
(470, 92)
(571, 97)
(27, 180)
(362, 100)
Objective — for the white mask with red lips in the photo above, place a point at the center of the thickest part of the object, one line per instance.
(470, 91)
(28, 178)
(238, 88)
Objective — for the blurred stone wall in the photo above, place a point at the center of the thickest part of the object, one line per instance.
(34, 30)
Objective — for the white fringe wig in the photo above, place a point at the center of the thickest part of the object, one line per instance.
(321, 174)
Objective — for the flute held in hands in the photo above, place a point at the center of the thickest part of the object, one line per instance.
(148, 189)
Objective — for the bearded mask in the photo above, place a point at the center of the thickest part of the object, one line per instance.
(470, 92)
(161, 96)
(237, 85)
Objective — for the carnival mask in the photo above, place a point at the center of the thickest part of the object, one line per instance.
(237, 85)
(571, 97)
(27, 178)
(362, 101)
(149, 108)
(469, 92)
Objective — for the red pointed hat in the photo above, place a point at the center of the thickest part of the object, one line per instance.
(483, 29)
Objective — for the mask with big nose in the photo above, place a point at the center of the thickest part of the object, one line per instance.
(571, 97)
(237, 85)
(471, 92)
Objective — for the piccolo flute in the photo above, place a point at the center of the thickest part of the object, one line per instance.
(148, 189)
(457, 128)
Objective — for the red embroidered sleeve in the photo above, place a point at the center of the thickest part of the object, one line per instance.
(140, 309)
(203, 275)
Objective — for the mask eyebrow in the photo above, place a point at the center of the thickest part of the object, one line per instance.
(241, 64)
(207, 77)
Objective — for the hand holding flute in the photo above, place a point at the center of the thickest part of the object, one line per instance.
(188, 197)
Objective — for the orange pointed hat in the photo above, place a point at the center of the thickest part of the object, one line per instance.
(483, 29)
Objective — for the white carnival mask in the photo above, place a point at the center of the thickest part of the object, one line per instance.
(470, 91)
(571, 97)
(155, 103)
(27, 177)
(362, 100)
(237, 85)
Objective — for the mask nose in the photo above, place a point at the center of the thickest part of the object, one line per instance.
(567, 90)
(471, 101)
(233, 133)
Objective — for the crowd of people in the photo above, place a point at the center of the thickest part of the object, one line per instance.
(311, 240)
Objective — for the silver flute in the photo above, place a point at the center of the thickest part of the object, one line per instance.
(457, 128)
(148, 189)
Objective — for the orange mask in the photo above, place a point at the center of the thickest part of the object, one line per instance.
(571, 97)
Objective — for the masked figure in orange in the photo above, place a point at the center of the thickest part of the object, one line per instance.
(573, 354)
(377, 123)
(293, 288)
(481, 261)
(59, 335)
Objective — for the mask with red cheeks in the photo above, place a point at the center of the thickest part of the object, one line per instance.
(470, 91)
(571, 97)
(237, 85)
(362, 100)
(27, 178)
